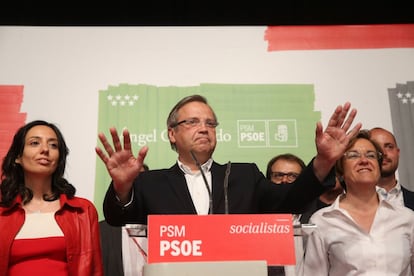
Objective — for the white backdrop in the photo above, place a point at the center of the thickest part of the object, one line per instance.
(63, 68)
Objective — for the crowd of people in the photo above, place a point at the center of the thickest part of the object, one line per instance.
(349, 190)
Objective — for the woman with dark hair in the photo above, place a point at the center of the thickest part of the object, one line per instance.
(45, 228)
(361, 233)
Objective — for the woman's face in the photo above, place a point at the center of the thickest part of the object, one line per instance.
(361, 164)
(40, 153)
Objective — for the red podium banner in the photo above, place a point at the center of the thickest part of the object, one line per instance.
(187, 238)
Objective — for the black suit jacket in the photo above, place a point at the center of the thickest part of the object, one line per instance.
(111, 246)
(408, 198)
(165, 192)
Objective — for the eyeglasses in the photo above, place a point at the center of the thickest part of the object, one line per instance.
(291, 176)
(371, 155)
(196, 122)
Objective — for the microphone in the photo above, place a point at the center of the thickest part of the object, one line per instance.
(226, 187)
(210, 196)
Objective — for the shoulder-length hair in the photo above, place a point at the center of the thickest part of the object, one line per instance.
(12, 177)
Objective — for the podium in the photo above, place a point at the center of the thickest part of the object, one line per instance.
(202, 245)
(233, 244)
(302, 231)
(218, 268)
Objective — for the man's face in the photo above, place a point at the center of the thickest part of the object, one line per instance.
(390, 150)
(284, 171)
(196, 131)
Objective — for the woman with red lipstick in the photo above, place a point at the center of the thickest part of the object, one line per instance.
(45, 228)
(360, 233)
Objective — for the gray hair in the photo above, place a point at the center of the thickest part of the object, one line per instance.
(173, 116)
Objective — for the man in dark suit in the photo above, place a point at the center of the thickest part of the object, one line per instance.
(388, 186)
(181, 189)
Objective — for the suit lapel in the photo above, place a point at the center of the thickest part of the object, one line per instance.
(217, 175)
(408, 198)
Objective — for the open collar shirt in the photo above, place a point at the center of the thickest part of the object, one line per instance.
(394, 195)
(197, 187)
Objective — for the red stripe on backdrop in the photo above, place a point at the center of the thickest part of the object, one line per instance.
(339, 37)
(11, 99)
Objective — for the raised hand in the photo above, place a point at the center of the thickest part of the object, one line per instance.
(120, 162)
(331, 143)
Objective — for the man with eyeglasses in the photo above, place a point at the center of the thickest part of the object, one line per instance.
(388, 186)
(185, 189)
(284, 168)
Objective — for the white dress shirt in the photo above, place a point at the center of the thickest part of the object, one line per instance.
(339, 247)
(395, 195)
(197, 187)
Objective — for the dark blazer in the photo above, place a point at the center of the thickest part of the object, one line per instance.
(408, 198)
(111, 246)
(249, 192)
